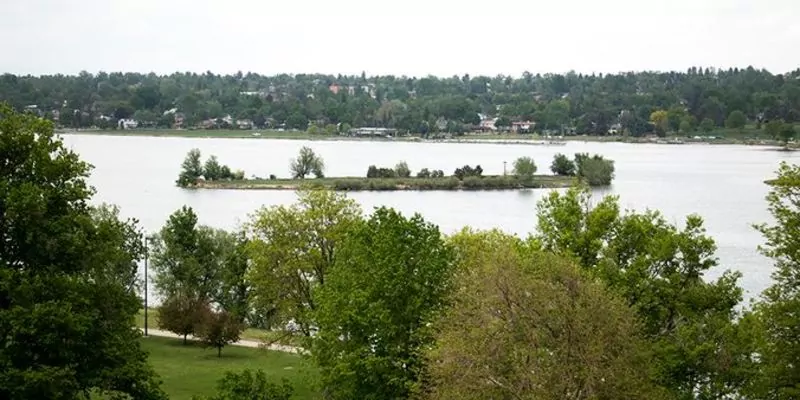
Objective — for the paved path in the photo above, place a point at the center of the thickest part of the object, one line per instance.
(243, 343)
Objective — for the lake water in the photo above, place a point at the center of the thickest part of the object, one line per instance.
(723, 184)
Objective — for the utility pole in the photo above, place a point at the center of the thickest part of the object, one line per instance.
(146, 253)
(504, 168)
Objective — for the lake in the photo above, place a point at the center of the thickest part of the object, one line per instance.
(723, 184)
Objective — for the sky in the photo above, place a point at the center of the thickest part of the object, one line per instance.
(408, 37)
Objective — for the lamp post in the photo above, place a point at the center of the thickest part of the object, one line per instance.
(146, 254)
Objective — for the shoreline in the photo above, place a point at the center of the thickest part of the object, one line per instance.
(533, 140)
(359, 184)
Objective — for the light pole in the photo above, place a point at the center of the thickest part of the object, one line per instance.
(504, 168)
(146, 253)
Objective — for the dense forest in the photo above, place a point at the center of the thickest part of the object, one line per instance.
(699, 98)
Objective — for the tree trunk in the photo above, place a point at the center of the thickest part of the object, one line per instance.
(184, 339)
(219, 351)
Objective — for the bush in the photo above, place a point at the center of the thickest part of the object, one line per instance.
(562, 165)
(437, 174)
(375, 172)
(402, 170)
(524, 167)
(247, 385)
(424, 173)
(466, 171)
(272, 177)
(595, 170)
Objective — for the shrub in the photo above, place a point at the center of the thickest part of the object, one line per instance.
(562, 165)
(247, 385)
(272, 177)
(596, 170)
(524, 167)
(402, 170)
(424, 173)
(466, 171)
(437, 174)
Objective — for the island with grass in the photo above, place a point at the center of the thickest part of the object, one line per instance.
(307, 171)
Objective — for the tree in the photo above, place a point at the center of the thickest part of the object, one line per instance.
(402, 170)
(249, 385)
(424, 173)
(707, 125)
(191, 169)
(235, 289)
(524, 167)
(307, 163)
(660, 120)
(595, 170)
(187, 258)
(778, 308)
(182, 315)
(773, 129)
(213, 170)
(216, 329)
(736, 120)
(659, 270)
(67, 303)
(787, 133)
(562, 165)
(293, 250)
(390, 279)
(502, 122)
(685, 126)
(517, 310)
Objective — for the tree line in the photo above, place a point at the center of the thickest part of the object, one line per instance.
(698, 99)
(598, 302)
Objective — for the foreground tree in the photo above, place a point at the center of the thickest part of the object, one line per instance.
(307, 162)
(659, 270)
(390, 280)
(779, 308)
(249, 385)
(67, 303)
(293, 251)
(529, 325)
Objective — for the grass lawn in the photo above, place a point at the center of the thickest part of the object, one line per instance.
(248, 334)
(189, 370)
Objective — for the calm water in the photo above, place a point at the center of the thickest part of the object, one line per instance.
(724, 184)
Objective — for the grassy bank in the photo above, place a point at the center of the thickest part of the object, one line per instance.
(248, 334)
(189, 370)
(493, 182)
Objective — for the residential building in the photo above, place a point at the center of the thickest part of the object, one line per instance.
(127, 123)
(488, 125)
(522, 126)
(244, 124)
(365, 132)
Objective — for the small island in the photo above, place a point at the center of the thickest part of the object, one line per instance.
(308, 172)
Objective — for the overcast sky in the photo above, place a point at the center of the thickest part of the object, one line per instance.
(411, 37)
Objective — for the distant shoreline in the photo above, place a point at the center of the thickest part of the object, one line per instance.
(466, 139)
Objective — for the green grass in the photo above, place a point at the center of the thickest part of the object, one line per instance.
(248, 334)
(491, 182)
(189, 370)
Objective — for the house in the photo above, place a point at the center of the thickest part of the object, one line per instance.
(228, 120)
(177, 120)
(208, 123)
(487, 125)
(244, 123)
(334, 88)
(127, 123)
(615, 129)
(366, 132)
(522, 126)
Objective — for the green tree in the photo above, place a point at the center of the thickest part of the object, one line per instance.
(595, 170)
(773, 128)
(402, 170)
(562, 165)
(524, 167)
(249, 385)
(391, 277)
(212, 170)
(659, 270)
(235, 289)
(191, 169)
(779, 305)
(307, 162)
(685, 126)
(66, 299)
(502, 122)
(707, 125)
(518, 310)
(219, 328)
(787, 133)
(660, 121)
(736, 120)
(293, 251)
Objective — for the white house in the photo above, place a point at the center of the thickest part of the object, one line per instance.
(127, 124)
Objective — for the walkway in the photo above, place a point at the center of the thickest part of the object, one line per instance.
(243, 343)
